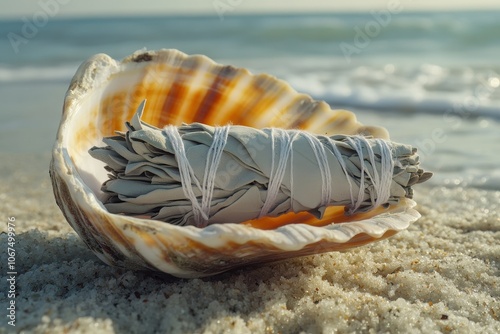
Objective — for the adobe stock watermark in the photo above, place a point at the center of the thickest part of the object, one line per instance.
(32, 25)
(11, 271)
(223, 6)
(372, 29)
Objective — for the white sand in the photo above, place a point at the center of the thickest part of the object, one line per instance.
(442, 275)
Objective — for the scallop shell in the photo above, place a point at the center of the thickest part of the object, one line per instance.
(105, 93)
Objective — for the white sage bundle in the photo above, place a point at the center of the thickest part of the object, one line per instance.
(197, 174)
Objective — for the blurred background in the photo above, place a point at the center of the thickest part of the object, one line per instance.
(429, 72)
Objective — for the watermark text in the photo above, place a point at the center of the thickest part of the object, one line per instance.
(32, 25)
(11, 271)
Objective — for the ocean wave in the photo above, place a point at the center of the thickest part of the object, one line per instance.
(451, 91)
(37, 73)
(448, 105)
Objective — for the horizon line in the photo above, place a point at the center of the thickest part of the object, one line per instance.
(246, 13)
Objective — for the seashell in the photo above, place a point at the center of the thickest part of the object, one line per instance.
(103, 96)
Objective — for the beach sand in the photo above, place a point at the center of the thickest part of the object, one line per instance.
(441, 275)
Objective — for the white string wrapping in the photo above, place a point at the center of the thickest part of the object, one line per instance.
(383, 183)
(356, 143)
(285, 139)
(213, 159)
(338, 155)
(186, 171)
(201, 213)
(324, 169)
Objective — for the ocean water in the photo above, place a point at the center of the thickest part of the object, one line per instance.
(432, 79)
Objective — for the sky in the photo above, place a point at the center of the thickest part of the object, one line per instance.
(15, 9)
